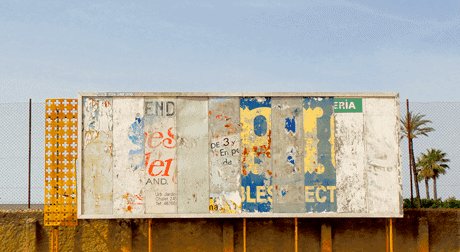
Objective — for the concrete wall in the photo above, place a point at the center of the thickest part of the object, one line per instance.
(419, 230)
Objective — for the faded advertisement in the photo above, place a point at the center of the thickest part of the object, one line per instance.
(224, 155)
(256, 172)
(160, 155)
(170, 155)
(319, 160)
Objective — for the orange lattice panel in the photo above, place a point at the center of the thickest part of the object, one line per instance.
(60, 162)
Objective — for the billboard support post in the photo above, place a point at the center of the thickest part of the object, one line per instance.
(150, 235)
(244, 235)
(30, 139)
(296, 236)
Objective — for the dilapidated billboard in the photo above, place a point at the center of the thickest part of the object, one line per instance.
(179, 155)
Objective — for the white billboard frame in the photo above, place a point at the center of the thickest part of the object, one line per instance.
(379, 95)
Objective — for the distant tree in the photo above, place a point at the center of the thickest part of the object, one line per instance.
(414, 125)
(434, 164)
(425, 172)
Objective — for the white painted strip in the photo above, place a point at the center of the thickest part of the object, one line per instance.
(128, 155)
(192, 155)
(350, 163)
(97, 156)
(381, 155)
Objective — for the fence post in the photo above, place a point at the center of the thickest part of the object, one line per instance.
(410, 154)
(30, 133)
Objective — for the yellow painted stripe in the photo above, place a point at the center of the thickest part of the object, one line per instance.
(311, 139)
(249, 139)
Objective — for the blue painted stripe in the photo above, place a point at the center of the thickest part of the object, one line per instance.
(252, 103)
(324, 149)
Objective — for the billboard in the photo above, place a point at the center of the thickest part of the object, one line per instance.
(221, 155)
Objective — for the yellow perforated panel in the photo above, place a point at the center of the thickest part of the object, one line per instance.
(60, 162)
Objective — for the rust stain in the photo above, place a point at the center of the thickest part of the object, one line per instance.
(210, 112)
(269, 172)
(232, 128)
(259, 150)
(245, 154)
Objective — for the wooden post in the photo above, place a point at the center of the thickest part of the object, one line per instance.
(244, 235)
(227, 236)
(150, 235)
(388, 236)
(326, 237)
(296, 236)
(391, 235)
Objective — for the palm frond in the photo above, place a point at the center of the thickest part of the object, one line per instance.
(416, 126)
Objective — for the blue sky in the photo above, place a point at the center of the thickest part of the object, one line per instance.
(54, 49)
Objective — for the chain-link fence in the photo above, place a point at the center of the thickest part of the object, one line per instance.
(14, 155)
(444, 116)
(14, 151)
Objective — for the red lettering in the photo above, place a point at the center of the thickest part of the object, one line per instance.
(153, 165)
(170, 140)
(147, 158)
(168, 164)
(168, 143)
(156, 135)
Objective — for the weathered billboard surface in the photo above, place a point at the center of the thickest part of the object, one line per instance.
(170, 155)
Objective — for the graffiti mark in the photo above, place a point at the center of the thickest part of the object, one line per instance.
(136, 135)
(290, 124)
(291, 158)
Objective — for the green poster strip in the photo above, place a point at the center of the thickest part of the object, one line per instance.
(348, 105)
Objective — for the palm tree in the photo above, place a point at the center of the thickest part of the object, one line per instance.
(424, 172)
(434, 164)
(412, 126)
